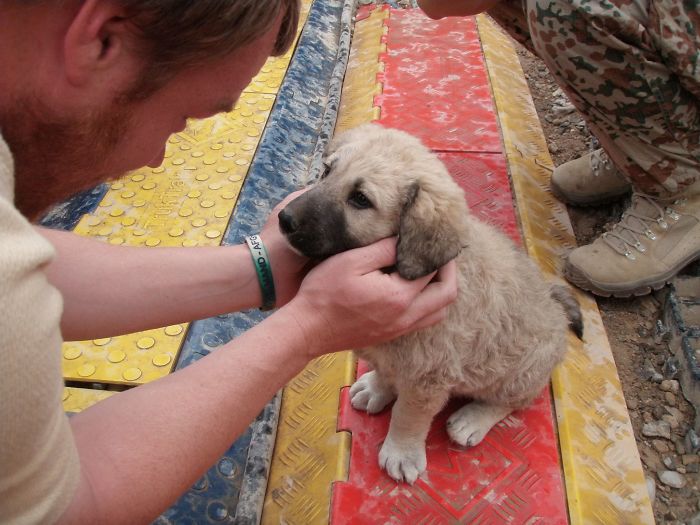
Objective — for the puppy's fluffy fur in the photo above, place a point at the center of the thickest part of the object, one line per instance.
(503, 335)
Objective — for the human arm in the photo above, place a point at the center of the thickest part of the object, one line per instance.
(442, 8)
(139, 450)
(110, 290)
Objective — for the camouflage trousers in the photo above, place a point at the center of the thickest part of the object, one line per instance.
(632, 68)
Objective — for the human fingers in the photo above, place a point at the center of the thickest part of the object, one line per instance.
(272, 221)
(430, 320)
(448, 274)
(373, 256)
(429, 306)
(442, 290)
(289, 198)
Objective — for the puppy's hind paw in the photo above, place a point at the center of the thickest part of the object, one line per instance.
(403, 463)
(470, 424)
(370, 394)
(465, 434)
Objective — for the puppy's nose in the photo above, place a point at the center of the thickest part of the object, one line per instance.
(287, 222)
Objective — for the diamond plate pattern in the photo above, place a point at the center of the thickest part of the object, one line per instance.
(484, 179)
(435, 84)
(364, 73)
(604, 477)
(511, 477)
(309, 453)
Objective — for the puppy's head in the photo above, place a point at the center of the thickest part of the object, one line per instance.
(379, 183)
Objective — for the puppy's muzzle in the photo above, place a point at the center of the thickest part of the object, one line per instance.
(287, 223)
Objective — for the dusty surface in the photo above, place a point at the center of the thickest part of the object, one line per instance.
(641, 353)
(660, 416)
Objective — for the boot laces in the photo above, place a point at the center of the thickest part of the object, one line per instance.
(634, 229)
(600, 162)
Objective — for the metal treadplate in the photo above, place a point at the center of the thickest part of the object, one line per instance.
(604, 477)
(508, 478)
(324, 469)
(436, 87)
(488, 193)
(514, 475)
(281, 163)
(363, 78)
(187, 201)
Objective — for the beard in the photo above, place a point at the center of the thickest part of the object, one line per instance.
(57, 156)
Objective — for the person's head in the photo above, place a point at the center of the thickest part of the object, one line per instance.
(177, 34)
(93, 88)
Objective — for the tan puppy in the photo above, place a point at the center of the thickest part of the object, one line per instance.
(503, 335)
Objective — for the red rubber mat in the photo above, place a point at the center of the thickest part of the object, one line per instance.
(484, 179)
(512, 476)
(436, 88)
(435, 83)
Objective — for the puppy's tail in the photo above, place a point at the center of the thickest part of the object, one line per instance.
(571, 307)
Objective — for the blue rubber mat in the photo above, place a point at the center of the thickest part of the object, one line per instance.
(300, 124)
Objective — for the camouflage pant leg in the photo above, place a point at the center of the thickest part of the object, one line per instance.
(632, 68)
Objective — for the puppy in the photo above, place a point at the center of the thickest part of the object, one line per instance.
(502, 336)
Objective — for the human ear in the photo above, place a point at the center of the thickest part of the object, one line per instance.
(95, 42)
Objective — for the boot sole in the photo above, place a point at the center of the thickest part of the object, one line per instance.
(598, 200)
(577, 278)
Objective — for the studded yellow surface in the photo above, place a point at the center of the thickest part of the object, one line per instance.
(187, 201)
(603, 473)
(78, 399)
(309, 452)
(129, 359)
(270, 77)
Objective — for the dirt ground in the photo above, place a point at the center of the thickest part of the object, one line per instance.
(640, 350)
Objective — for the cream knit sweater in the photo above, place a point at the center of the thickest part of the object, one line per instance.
(39, 464)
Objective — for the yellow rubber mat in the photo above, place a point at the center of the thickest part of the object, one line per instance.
(309, 452)
(78, 399)
(270, 77)
(364, 69)
(604, 477)
(187, 201)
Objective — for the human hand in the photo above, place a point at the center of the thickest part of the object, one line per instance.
(288, 266)
(349, 302)
(437, 9)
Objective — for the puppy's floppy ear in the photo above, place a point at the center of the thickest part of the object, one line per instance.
(428, 235)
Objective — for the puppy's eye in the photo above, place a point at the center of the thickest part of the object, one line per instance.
(359, 200)
(326, 170)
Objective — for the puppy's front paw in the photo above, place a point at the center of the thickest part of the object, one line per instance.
(402, 462)
(370, 394)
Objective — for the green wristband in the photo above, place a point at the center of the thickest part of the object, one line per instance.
(262, 266)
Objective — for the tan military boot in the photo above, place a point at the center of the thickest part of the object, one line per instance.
(653, 241)
(590, 180)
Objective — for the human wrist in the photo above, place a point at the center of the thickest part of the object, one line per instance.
(306, 326)
(285, 342)
(263, 270)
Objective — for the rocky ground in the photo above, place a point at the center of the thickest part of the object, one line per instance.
(661, 417)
